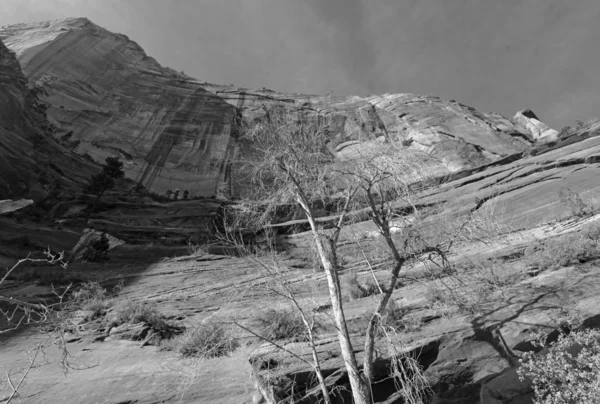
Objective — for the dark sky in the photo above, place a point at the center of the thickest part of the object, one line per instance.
(495, 55)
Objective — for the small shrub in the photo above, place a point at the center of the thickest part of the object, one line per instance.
(283, 324)
(572, 200)
(568, 373)
(91, 296)
(207, 340)
(358, 291)
(144, 312)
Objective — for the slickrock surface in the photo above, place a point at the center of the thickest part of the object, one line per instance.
(174, 131)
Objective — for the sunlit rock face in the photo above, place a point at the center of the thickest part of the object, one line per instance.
(31, 162)
(540, 131)
(175, 132)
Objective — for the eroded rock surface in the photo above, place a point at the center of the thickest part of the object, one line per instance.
(31, 162)
(108, 97)
(538, 129)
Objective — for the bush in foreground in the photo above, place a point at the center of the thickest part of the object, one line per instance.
(569, 372)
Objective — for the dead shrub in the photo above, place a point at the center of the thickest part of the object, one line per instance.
(207, 340)
(281, 324)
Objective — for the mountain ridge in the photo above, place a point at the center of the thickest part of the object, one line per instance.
(174, 131)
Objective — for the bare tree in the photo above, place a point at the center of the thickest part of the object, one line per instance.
(286, 161)
(18, 313)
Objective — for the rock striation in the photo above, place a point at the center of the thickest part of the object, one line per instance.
(175, 132)
(32, 163)
(115, 100)
(538, 129)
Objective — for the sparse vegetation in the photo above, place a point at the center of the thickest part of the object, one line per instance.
(93, 297)
(195, 249)
(209, 339)
(278, 324)
(567, 373)
(135, 312)
(572, 200)
(569, 249)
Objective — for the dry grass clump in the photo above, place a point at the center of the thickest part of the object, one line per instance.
(93, 297)
(568, 372)
(196, 250)
(207, 340)
(144, 312)
(278, 324)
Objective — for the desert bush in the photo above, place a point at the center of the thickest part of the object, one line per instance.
(144, 312)
(280, 324)
(568, 372)
(207, 340)
(572, 200)
(358, 291)
(92, 296)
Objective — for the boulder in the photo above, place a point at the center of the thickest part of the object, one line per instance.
(539, 130)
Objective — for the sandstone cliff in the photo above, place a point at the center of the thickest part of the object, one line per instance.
(177, 132)
(170, 132)
(31, 162)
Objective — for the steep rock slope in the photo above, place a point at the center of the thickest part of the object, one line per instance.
(117, 100)
(31, 162)
(177, 132)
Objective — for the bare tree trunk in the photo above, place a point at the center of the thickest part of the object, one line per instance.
(360, 389)
(382, 221)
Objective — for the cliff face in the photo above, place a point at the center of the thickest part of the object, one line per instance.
(31, 162)
(173, 131)
(116, 100)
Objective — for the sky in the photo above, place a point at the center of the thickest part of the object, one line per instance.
(495, 55)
